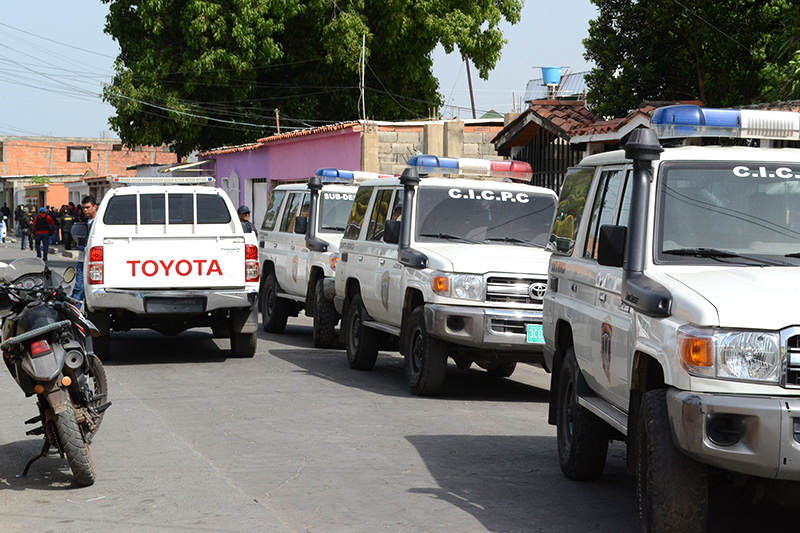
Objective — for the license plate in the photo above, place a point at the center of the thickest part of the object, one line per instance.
(535, 334)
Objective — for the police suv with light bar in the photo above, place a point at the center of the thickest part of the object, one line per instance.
(171, 257)
(448, 260)
(299, 250)
(671, 316)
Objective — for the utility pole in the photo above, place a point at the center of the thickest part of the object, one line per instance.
(278, 120)
(361, 85)
(469, 81)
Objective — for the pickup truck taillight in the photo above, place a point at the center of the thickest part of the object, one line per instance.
(95, 269)
(251, 269)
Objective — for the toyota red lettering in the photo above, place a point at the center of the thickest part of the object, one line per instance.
(184, 267)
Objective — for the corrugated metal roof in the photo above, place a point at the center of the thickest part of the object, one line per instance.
(573, 85)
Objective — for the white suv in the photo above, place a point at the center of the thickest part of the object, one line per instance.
(450, 266)
(671, 320)
(299, 250)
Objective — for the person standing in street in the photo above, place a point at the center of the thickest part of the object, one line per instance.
(244, 218)
(90, 210)
(43, 227)
(24, 229)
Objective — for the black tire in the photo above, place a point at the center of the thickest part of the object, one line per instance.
(243, 345)
(582, 437)
(426, 357)
(98, 383)
(325, 319)
(361, 342)
(671, 488)
(502, 370)
(75, 447)
(102, 343)
(274, 310)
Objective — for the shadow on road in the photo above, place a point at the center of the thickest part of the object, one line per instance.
(388, 377)
(296, 335)
(48, 473)
(513, 483)
(150, 347)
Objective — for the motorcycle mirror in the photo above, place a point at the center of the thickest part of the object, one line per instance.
(69, 274)
(79, 232)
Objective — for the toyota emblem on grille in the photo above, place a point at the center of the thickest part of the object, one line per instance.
(536, 290)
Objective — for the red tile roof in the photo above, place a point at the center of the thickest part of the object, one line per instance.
(232, 149)
(309, 131)
(564, 114)
(606, 126)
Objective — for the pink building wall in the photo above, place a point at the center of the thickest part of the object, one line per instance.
(300, 157)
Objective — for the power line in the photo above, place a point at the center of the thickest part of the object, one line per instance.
(57, 42)
(713, 27)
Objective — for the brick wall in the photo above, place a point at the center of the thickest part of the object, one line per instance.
(41, 155)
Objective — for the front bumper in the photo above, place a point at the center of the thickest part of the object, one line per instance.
(483, 328)
(134, 300)
(768, 446)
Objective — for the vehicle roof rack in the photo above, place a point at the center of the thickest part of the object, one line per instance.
(165, 180)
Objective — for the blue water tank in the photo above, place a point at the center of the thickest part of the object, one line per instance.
(551, 75)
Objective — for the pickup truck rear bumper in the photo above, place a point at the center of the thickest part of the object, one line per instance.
(134, 300)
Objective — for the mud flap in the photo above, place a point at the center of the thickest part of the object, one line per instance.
(58, 399)
(244, 320)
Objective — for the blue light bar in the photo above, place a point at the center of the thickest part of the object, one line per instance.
(433, 161)
(467, 166)
(334, 175)
(687, 120)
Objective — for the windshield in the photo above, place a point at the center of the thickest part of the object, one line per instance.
(741, 213)
(476, 215)
(334, 209)
(20, 267)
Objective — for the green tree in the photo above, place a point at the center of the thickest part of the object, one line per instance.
(682, 50)
(188, 68)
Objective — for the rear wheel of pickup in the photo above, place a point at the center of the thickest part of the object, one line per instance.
(325, 319)
(361, 341)
(243, 344)
(426, 357)
(671, 488)
(274, 310)
(582, 437)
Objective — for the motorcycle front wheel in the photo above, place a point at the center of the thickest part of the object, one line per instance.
(74, 446)
(99, 387)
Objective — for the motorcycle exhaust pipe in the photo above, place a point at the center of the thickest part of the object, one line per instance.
(74, 359)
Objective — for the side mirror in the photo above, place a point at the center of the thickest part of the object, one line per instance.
(300, 225)
(391, 231)
(564, 244)
(80, 232)
(611, 245)
(69, 274)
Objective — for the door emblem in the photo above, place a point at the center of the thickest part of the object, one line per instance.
(385, 290)
(536, 290)
(295, 267)
(605, 348)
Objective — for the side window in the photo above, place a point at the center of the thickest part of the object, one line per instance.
(181, 208)
(605, 202)
(151, 209)
(396, 213)
(625, 207)
(121, 210)
(570, 209)
(378, 219)
(211, 209)
(357, 213)
(304, 207)
(275, 201)
(291, 211)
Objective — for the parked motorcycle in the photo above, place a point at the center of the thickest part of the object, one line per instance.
(47, 347)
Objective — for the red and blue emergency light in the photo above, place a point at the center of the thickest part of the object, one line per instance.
(687, 120)
(335, 175)
(468, 166)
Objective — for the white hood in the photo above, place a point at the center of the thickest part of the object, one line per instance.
(483, 258)
(749, 297)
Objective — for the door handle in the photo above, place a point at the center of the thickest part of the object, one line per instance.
(381, 261)
(360, 257)
(274, 244)
(292, 247)
(602, 297)
(573, 287)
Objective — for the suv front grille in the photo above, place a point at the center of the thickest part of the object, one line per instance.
(793, 361)
(516, 327)
(512, 289)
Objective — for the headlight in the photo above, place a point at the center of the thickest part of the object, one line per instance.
(462, 286)
(742, 355)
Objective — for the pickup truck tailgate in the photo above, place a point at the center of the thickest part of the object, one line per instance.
(173, 262)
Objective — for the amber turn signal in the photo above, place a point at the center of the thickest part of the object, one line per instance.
(66, 381)
(441, 284)
(38, 389)
(697, 351)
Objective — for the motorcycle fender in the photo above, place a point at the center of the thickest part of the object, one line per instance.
(45, 367)
(58, 399)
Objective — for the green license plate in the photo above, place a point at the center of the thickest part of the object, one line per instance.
(535, 334)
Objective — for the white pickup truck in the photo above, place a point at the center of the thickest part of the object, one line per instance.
(170, 258)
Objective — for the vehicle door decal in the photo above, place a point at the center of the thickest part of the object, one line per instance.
(385, 290)
(295, 265)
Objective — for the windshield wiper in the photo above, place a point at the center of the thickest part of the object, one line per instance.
(448, 237)
(511, 240)
(721, 255)
(334, 228)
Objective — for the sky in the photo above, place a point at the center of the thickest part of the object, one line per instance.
(54, 58)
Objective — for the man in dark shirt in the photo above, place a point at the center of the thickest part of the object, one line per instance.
(43, 228)
(244, 218)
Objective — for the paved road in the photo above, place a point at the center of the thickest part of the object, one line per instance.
(294, 440)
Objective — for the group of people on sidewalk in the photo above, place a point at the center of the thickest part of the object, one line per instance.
(45, 227)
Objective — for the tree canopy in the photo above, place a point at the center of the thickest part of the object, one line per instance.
(197, 74)
(724, 53)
